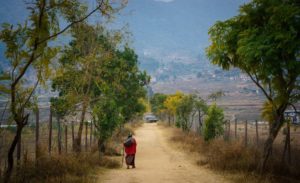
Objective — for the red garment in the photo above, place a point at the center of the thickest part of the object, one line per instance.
(131, 149)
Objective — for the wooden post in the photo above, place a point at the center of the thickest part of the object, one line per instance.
(235, 128)
(228, 129)
(256, 130)
(59, 135)
(37, 134)
(72, 131)
(246, 133)
(50, 131)
(287, 144)
(289, 141)
(91, 133)
(86, 136)
(66, 138)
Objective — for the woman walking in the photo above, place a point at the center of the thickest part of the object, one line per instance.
(130, 150)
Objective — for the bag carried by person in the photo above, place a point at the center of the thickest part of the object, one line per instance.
(128, 142)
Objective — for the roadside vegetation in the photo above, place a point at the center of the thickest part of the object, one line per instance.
(95, 75)
(262, 41)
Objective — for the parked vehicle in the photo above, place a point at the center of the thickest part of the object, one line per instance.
(150, 118)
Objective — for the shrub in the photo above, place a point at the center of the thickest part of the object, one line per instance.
(213, 123)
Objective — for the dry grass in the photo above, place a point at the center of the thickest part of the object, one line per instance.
(64, 168)
(75, 168)
(239, 162)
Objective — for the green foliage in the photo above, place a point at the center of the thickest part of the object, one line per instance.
(93, 72)
(157, 102)
(216, 95)
(106, 114)
(213, 123)
(183, 112)
(60, 106)
(263, 41)
(172, 102)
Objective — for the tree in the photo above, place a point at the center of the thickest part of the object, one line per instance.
(131, 83)
(184, 110)
(27, 49)
(171, 104)
(213, 123)
(263, 41)
(201, 107)
(106, 117)
(78, 70)
(157, 103)
(216, 95)
(60, 107)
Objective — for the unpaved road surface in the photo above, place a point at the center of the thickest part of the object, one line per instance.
(158, 161)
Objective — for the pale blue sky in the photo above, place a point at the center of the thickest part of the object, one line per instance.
(161, 29)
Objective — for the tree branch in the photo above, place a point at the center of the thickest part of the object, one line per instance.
(71, 24)
(31, 93)
(261, 87)
(294, 107)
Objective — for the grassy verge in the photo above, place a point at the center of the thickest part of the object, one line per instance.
(76, 168)
(72, 167)
(233, 159)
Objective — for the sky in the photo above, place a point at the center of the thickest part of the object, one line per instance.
(170, 28)
(160, 29)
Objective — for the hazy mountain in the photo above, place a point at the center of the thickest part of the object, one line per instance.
(169, 36)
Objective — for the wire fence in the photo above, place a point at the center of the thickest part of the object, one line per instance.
(54, 137)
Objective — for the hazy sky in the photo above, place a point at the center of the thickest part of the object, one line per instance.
(160, 28)
(175, 27)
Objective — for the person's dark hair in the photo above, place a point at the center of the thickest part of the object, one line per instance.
(129, 135)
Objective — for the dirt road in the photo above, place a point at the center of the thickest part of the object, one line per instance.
(157, 161)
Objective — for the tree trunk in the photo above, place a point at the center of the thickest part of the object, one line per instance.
(199, 121)
(59, 135)
(66, 138)
(256, 130)
(77, 145)
(169, 119)
(287, 145)
(86, 136)
(37, 134)
(19, 149)
(101, 146)
(91, 133)
(274, 129)
(10, 155)
(235, 128)
(246, 133)
(50, 132)
(73, 137)
(228, 130)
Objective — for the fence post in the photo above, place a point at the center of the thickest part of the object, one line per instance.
(59, 135)
(229, 130)
(66, 138)
(235, 128)
(86, 136)
(91, 134)
(246, 133)
(72, 131)
(50, 131)
(256, 130)
(37, 133)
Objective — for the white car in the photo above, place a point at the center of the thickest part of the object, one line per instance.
(150, 118)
